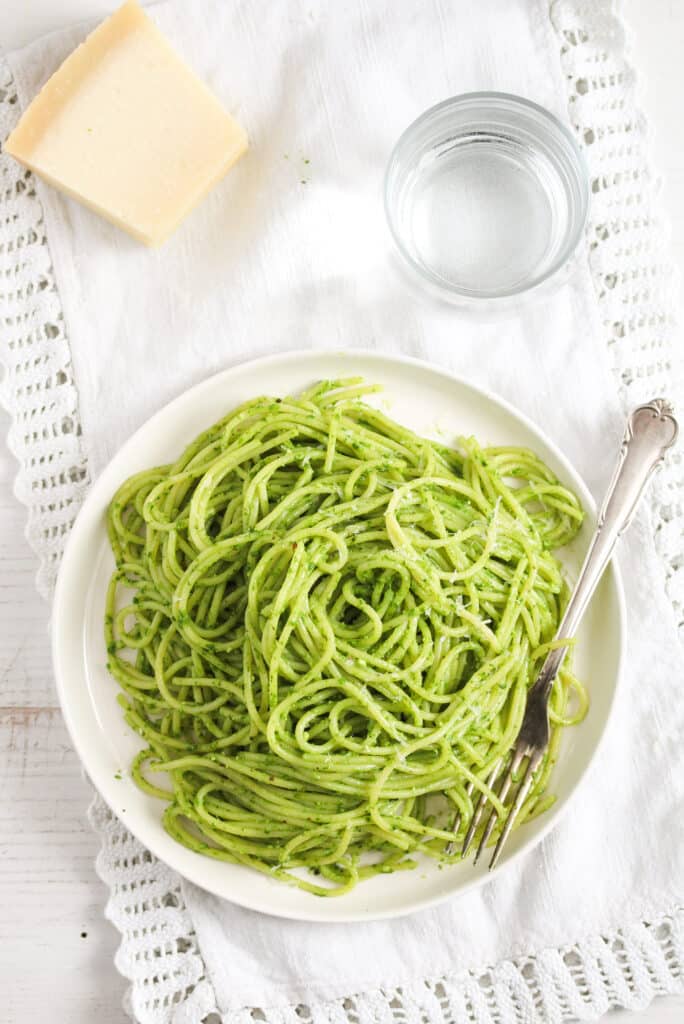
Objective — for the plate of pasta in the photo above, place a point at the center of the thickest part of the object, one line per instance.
(296, 622)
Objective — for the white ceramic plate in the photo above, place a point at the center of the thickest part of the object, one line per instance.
(430, 402)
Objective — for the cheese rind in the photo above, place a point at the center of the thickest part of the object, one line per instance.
(125, 127)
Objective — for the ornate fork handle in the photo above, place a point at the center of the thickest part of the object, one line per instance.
(650, 431)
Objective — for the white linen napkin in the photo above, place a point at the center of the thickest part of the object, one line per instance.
(291, 251)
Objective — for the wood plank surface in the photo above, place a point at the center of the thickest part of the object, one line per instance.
(56, 949)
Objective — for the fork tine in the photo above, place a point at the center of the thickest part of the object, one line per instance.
(534, 762)
(478, 810)
(516, 761)
(455, 825)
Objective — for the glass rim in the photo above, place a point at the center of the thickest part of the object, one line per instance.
(570, 243)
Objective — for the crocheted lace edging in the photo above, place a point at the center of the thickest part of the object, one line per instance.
(637, 292)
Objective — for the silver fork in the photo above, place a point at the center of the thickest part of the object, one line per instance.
(651, 430)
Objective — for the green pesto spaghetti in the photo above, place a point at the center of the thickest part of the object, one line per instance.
(324, 628)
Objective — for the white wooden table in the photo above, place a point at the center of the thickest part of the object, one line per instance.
(56, 949)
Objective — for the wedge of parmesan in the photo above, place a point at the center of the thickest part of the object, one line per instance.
(125, 127)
